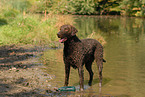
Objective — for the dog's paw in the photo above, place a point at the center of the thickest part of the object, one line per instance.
(100, 85)
(81, 89)
(89, 83)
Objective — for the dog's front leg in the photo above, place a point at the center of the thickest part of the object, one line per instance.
(81, 76)
(67, 71)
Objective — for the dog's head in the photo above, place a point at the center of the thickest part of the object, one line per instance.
(66, 31)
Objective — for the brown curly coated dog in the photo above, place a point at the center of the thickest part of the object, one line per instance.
(78, 52)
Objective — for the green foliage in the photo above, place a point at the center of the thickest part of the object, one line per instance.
(133, 8)
(107, 6)
(59, 6)
(82, 6)
(40, 5)
(21, 5)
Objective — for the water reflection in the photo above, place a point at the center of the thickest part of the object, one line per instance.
(124, 72)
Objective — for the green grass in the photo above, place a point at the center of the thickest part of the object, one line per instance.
(30, 29)
(25, 29)
(18, 26)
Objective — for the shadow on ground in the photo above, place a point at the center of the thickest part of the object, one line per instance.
(14, 56)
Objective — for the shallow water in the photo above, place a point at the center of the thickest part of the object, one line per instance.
(124, 71)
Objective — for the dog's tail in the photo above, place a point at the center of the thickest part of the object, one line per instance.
(104, 60)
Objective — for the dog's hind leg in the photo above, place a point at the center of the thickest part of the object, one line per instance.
(88, 66)
(81, 76)
(99, 61)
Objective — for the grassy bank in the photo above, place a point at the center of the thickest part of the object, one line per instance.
(31, 29)
(18, 26)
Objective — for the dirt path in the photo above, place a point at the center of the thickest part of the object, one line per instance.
(21, 74)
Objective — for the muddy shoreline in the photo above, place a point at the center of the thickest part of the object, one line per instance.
(21, 72)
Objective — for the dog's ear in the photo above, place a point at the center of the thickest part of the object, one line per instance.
(73, 31)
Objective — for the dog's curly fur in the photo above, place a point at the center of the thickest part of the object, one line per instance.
(78, 52)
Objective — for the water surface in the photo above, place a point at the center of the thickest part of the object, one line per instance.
(124, 72)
